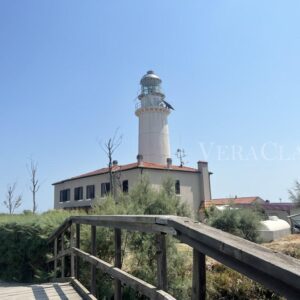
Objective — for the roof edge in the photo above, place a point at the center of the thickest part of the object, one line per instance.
(134, 166)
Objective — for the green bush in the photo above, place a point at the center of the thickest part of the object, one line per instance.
(23, 245)
(240, 222)
(24, 251)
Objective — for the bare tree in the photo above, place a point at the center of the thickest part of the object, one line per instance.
(109, 148)
(12, 202)
(34, 183)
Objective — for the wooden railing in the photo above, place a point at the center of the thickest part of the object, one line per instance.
(276, 271)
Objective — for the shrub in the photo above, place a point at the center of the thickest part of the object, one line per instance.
(23, 245)
(240, 222)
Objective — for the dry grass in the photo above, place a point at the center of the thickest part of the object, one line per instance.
(224, 283)
(289, 245)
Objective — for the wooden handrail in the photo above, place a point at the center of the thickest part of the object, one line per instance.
(279, 272)
(141, 286)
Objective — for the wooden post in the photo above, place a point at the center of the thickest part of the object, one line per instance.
(77, 245)
(72, 254)
(93, 267)
(118, 263)
(199, 276)
(161, 261)
(63, 258)
(55, 255)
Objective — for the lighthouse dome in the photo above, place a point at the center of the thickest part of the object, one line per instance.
(150, 79)
(150, 84)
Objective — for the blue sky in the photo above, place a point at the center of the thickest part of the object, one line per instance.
(70, 71)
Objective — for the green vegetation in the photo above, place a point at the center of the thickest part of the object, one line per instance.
(240, 222)
(23, 243)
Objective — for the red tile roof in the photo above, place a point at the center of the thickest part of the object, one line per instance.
(240, 200)
(145, 165)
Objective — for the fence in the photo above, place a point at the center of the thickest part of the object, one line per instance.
(276, 271)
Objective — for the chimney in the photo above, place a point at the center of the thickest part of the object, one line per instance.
(205, 191)
(169, 163)
(140, 160)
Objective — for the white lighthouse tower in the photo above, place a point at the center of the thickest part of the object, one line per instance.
(153, 111)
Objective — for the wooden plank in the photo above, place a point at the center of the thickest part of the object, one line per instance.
(93, 252)
(63, 257)
(44, 291)
(199, 276)
(82, 290)
(59, 256)
(141, 227)
(145, 219)
(120, 221)
(137, 284)
(55, 257)
(57, 232)
(72, 244)
(161, 261)
(77, 245)
(118, 263)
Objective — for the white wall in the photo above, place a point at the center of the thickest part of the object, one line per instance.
(154, 142)
(189, 184)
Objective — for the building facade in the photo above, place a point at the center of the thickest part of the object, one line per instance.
(154, 161)
(82, 191)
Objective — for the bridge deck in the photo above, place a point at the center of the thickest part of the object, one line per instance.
(45, 291)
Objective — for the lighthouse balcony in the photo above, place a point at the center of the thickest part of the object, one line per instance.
(150, 104)
(142, 109)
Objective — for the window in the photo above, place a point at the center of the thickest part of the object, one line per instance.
(125, 186)
(64, 195)
(177, 187)
(105, 188)
(90, 192)
(78, 193)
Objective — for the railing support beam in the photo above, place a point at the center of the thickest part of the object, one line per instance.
(55, 259)
(72, 255)
(93, 267)
(63, 258)
(118, 263)
(161, 261)
(77, 245)
(199, 276)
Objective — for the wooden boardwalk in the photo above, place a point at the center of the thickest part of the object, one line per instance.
(46, 291)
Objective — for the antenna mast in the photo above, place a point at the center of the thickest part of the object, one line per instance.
(181, 155)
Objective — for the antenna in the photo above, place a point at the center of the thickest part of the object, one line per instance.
(180, 155)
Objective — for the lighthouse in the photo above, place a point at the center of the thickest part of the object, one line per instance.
(152, 111)
(154, 161)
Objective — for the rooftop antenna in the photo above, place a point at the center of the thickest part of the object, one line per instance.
(181, 155)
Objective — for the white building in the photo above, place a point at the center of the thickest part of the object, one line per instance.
(192, 185)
